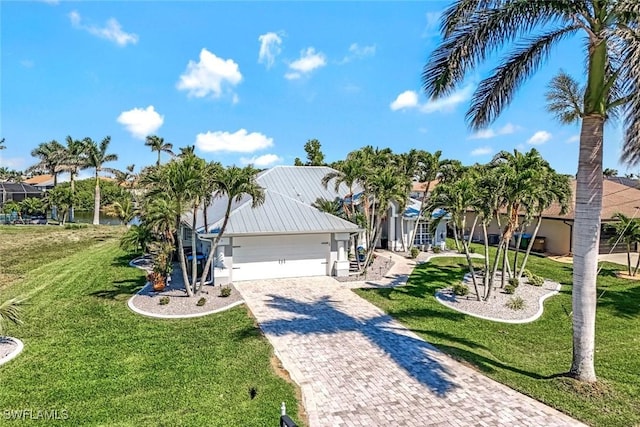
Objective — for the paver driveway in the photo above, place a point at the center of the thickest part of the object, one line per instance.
(356, 366)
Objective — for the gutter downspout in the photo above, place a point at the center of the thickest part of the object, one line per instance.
(570, 224)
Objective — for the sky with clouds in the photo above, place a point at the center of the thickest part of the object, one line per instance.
(251, 83)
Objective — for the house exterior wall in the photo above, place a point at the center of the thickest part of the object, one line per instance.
(557, 234)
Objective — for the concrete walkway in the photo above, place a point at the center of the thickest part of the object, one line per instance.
(356, 366)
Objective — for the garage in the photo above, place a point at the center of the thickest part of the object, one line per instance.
(280, 256)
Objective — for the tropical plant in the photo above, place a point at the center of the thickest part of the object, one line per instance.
(232, 183)
(136, 239)
(2, 145)
(32, 205)
(157, 143)
(627, 231)
(608, 172)
(10, 311)
(333, 207)
(63, 199)
(472, 30)
(51, 159)
(96, 157)
(10, 175)
(12, 206)
(123, 209)
(74, 159)
(126, 178)
(315, 156)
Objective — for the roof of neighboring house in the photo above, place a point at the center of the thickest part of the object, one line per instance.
(290, 192)
(41, 180)
(420, 187)
(19, 187)
(629, 182)
(615, 198)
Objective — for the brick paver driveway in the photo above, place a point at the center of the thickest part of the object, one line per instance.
(358, 367)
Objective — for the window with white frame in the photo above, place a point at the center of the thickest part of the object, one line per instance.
(186, 233)
(423, 237)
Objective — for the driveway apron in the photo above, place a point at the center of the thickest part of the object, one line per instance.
(356, 366)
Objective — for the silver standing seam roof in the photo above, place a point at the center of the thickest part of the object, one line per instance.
(290, 192)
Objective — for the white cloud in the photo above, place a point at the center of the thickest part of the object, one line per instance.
(407, 99)
(359, 52)
(239, 142)
(261, 161)
(112, 30)
(572, 139)
(17, 163)
(490, 133)
(141, 122)
(269, 48)
(209, 75)
(482, 151)
(309, 60)
(539, 138)
(448, 103)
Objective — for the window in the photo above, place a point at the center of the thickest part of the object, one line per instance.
(186, 233)
(423, 237)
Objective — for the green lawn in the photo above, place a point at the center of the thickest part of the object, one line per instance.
(86, 353)
(529, 357)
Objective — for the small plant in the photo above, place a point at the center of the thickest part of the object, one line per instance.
(515, 303)
(225, 291)
(414, 252)
(75, 226)
(536, 280)
(472, 250)
(201, 302)
(527, 273)
(460, 289)
(514, 282)
(164, 301)
(436, 249)
(509, 289)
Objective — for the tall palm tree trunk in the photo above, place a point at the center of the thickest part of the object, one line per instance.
(473, 229)
(194, 258)
(485, 278)
(73, 193)
(158, 162)
(474, 280)
(586, 235)
(96, 202)
(183, 261)
(215, 242)
(518, 243)
(629, 257)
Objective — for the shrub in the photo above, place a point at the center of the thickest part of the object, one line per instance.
(515, 303)
(472, 250)
(536, 280)
(509, 289)
(201, 302)
(436, 249)
(514, 282)
(225, 291)
(75, 226)
(414, 252)
(460, 289)
(527, 273)
(164, 300)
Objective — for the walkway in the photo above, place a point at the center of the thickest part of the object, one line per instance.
(356, 366)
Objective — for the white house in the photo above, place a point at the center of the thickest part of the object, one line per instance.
(287, 236)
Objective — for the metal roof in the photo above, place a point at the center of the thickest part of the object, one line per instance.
(290, 192)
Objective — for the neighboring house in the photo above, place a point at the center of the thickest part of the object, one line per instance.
(17, 192)
(398, 228)
(41, 182)
(284, 237)
(418, 189)
(629, 182)
(556, 230)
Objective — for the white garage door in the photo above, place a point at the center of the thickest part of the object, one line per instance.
(271, 257)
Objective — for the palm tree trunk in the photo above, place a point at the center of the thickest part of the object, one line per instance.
(635, 270)
(529, 247)
(158, 163)
(518, 242)
(494, 268)
(471, 270)
(586, 235)
(183, 262)
(73, 192)
(455, 237)
(194, 258)
(485, 278)
(216, 241)
(96, 202)
(473, 228)
(629, 258)
(505, 263)
(404, 246)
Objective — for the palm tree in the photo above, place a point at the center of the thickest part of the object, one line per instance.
(96, 157)
(233, 183)
(2, 146)
(74, 159)
(333, 207)
(157, 144)
(127, 177)
(63, 199)
(10, 311)
(137, 238)
(187, 151)
(122, 209)
(472, 30)
(429, 167)
(51, 156)
(627, 231)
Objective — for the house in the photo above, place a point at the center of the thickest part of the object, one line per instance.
(285, 236)
(398, 228)
(556, 231)
(17, 191)
(41, 182)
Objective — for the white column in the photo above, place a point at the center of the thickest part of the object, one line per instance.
(341, 253)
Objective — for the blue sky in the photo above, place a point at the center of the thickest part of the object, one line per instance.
(252, 82)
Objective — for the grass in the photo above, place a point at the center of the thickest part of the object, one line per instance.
(86, 353)
(532, 357)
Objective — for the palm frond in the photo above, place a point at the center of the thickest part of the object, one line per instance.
(564, 98)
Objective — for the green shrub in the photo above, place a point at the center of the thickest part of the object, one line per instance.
(460, 289)
(509, 289)
(414, 252)
(472, 250)
(164, 300)
(514, 282)
(515, 303)
(75, 226)
(536, 280)
(225, 291)
(527, 273)
(201, 302)
(436, 249)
